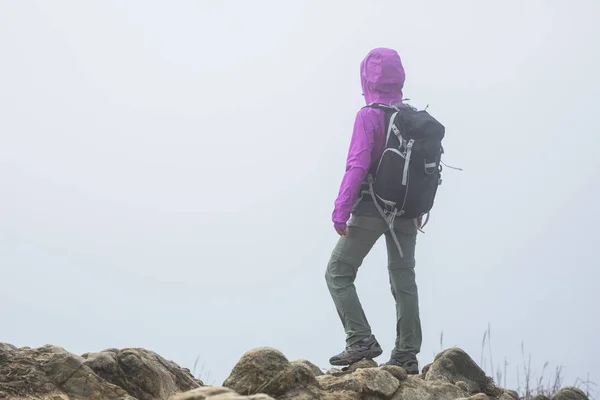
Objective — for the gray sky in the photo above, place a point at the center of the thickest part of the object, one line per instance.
(168, 172)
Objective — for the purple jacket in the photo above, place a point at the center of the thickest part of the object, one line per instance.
(382, 79)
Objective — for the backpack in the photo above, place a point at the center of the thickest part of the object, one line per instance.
(404, 183)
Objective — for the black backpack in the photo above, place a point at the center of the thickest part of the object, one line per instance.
(405, 181)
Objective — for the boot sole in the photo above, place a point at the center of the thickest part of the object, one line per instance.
(409, 370)
(365, 355)
(412, 371)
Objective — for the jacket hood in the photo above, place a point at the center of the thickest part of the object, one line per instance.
(382, 76)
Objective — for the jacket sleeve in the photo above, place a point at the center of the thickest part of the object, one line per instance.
(357, 167)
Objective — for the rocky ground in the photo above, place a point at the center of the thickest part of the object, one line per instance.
(52, 373)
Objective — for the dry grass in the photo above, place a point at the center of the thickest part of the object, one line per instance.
(203, 375)
(529, 385)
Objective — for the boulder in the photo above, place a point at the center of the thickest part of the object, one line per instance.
(478, 396)
(512, 395)
(216, 393)
(360, 365)
(540, 397)
(230, 396)
(303, 376)
(351, 368)
(266, 370)
(303, 393)
(398, 372)
(416, 388)
(316, 370)
(341, 395)
(454, 365)
(365, 381)
(142, 373)
(570, 393)
(202, 393)
(336, 372)
(424, 370)
(464, 387)
(263, 370)
(51, 372)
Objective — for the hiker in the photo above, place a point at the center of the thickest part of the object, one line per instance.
(360, 222)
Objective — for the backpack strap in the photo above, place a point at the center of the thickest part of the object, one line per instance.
(381, 106)
(390, 112)
(388, 217)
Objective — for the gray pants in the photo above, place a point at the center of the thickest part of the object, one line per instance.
(348, 256)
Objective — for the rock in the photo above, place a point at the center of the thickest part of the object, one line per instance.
(201, 393)
(425, 370)
(570, 393)
(511, 395)
(142, 373)
(316, 370)
(336, 372)
(463, 386)
(216, 393)
(303, 393)
(307, 387)
(263, 370)
(454, 365)
(478, 396)
(341, 395)
(330, 382)
(360, 364)
(416, 388)
(303, 376)
(7, 347)
(371, 381)
(51, 372)
(304, 386)
(240, 397)
(540, 397)
(266, 370)
(398, 372)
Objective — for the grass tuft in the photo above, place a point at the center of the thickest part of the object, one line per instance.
(547, 384)
(202, 375)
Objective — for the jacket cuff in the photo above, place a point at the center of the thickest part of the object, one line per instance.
(339, 225)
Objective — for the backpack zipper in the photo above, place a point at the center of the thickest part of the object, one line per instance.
(388, 149)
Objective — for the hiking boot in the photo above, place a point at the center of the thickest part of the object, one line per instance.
(407, 361)
(367, 348)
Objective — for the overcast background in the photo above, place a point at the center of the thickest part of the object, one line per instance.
(168, 172)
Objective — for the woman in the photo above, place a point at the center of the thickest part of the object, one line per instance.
(357, 221)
